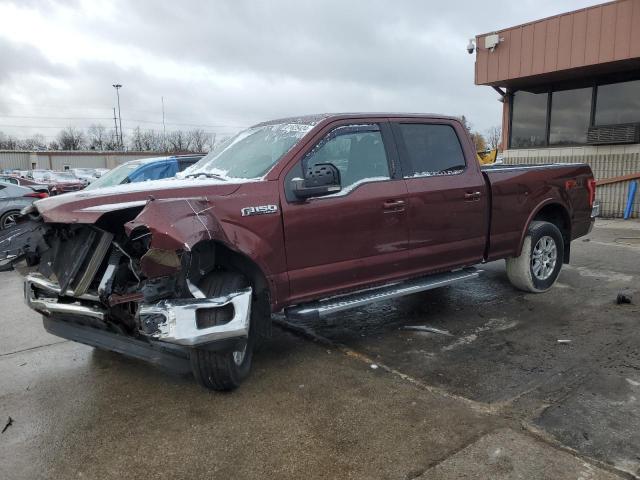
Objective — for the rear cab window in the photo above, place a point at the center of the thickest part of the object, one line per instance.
(429, 149)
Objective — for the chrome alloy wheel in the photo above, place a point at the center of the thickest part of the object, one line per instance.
(10, 220)
(544, 258)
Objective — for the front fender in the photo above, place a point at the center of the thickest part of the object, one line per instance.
(177, 225)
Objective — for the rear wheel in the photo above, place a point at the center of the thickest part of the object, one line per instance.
(8, 219)
(227, 369)
(539, 263)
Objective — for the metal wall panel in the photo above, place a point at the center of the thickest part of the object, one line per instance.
(595, 35)
(57, 160)
(14, 160)
(605, 161)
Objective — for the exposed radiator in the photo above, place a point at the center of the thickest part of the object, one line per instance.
(77, 258)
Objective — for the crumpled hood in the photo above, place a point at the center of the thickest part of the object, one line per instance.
(89, 206)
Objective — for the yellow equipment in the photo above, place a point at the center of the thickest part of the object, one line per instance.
(487, 157)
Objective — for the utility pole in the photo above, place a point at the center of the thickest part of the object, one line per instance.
(164, 130)
(118, 86)
(115, 123)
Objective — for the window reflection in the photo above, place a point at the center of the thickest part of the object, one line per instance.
(618, 103)
(570, 116)
(529, 120)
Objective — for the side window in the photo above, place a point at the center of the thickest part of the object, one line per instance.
(154, 172)
(182, 164)
(358, 152)
(3, 191)
(431, 149)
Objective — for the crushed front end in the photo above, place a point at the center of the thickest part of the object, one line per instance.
(120, 280)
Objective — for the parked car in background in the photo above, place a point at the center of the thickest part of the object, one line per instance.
(14, 198)
(59, 182)
(87, 175)
(101, 171)
(25, 182)
(155, 168)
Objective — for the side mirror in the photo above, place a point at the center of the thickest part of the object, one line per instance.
(320, 179)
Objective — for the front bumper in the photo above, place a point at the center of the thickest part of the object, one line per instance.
(172, 321)
(175, 321)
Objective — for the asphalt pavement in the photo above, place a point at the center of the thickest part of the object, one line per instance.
(504, 385)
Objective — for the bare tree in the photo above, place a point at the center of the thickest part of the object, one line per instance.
(34, 142)
(71, 139)
(465, 122)
(136, 140)
(98, 138)
(494, 137)
(152, 141)
(197, 139)
(177, 141)
(8, 142)
(211, 142)
(479, 141)
(145, 140)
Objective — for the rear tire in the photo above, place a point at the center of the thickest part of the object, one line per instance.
(225, 370)
(540, 262)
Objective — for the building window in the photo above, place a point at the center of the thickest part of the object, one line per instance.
(529, 120)
(570, 116)
(618, 103)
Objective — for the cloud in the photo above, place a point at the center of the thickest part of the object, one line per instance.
(231, 64)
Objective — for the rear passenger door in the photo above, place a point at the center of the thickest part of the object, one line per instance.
(447, 195)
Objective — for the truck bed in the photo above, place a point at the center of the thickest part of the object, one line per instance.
(520, 192)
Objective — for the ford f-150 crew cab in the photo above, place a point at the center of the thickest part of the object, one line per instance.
(305, 216)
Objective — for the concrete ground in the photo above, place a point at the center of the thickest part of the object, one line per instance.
(499, 397)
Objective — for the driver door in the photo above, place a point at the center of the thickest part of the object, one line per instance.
(357, 236)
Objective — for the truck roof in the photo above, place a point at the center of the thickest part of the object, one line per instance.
(313, 119)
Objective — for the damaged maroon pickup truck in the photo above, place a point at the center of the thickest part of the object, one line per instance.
(307, 216)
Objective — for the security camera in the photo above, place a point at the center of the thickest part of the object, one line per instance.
(471, 46)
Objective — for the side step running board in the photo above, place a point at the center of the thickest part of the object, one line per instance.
(322, 308)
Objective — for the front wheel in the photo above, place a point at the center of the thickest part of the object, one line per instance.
(539, 263)
(223, 370)
(9, 219)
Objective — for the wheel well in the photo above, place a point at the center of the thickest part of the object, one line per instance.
(558, 215)
(211, 255)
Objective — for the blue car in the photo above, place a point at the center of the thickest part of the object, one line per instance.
(144, 169)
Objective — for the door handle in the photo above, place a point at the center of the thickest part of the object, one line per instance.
(393, 206)
(472, 196)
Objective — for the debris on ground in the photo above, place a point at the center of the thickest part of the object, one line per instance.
(9, 423)
(564, 340)
(425, 328)
(623, 298)
(374, 366)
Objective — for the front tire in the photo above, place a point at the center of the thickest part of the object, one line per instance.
(223, 370)
(540, 262)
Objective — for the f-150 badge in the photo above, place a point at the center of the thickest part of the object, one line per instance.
(259, 210)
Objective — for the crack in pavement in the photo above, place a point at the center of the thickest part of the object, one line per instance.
(33, 348)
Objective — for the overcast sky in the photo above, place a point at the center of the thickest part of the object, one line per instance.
(228, 64)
